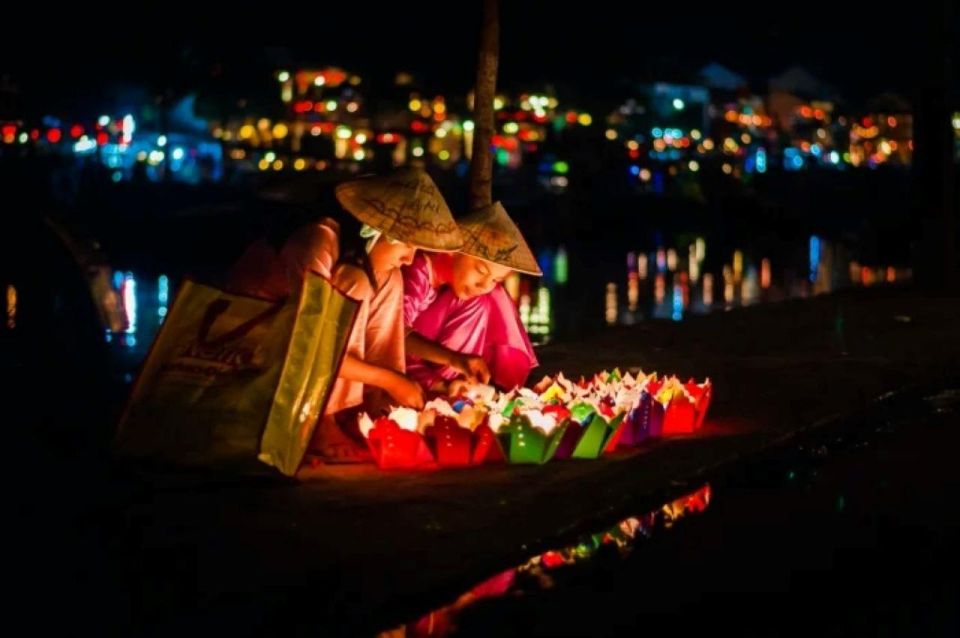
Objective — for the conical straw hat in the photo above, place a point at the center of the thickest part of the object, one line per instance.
(405, 205)
(490, 234)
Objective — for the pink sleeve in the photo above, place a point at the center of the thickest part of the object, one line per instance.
(418, 292)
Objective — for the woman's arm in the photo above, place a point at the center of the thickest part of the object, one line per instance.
(471, 366)
(408, 393)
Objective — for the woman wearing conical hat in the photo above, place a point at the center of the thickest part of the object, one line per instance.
(460, 321)
(394, 216)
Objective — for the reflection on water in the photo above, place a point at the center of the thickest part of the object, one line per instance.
(708, 290)
(536, 573)
(11, 307)
(611, 303)
(681, 288)
(534, 296)
(538, 317)
(145, 302)
(163, 296)
(693, 264)
(819, 464)
(671, 260)
(814, 258)
(678, 305)
(128, 292)
(658, 285)
(561, 267)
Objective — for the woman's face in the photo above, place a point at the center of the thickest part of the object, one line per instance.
(473, 277)
(387, 255)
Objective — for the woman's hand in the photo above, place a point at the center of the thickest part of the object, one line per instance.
(474, 368)
(407, 393)
(457, 387)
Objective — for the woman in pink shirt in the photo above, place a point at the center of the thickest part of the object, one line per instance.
(460, 321)
(400, 213)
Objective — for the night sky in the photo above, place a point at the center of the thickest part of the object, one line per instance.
(586, 49)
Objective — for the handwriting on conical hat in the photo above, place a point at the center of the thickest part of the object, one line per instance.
(406, 206)
(487, 243)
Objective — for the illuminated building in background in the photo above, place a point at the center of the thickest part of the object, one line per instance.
(323, 121)
(739, 116)
(140, 142)
(803, 108)
(522, 124)
(525, 124)
(669, 136)
(660, 128)
(884, 135)
(326, 118)
(743, 133)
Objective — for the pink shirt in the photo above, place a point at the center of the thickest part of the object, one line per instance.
(378, 333)
(420, 288)
(488, 326)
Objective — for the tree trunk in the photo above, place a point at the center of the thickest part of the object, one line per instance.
(481, 165)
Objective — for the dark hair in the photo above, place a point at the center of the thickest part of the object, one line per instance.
(294, 211)
(353, 247)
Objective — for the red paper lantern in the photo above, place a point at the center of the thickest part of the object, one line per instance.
(393, 447)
